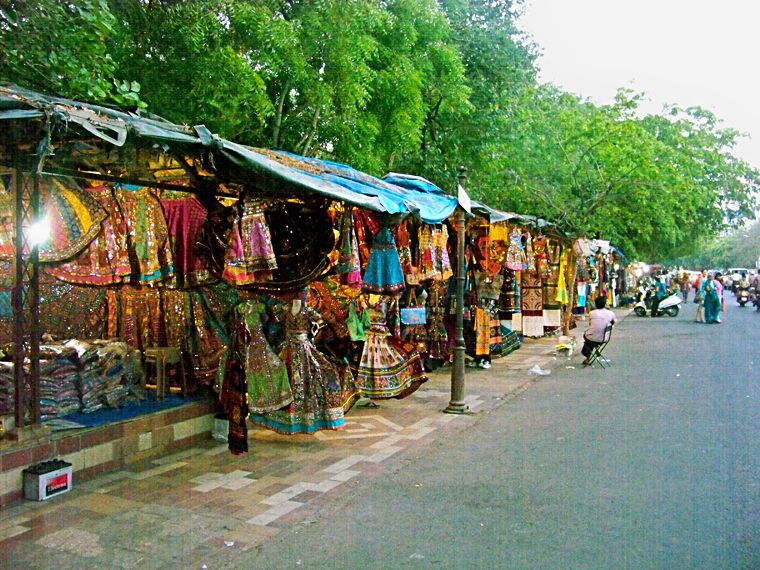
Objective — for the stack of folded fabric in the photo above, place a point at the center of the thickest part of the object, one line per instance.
(6, 388)
(110, 374)
(59, 377)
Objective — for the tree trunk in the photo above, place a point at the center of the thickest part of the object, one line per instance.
(310, 136)
(278, 117)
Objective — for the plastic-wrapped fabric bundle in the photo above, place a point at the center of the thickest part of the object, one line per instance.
(110, 373)
(59, 377)
(6, 388)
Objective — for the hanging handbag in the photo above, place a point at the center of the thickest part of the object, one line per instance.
(413, 313)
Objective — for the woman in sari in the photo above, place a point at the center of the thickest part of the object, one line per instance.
(711, 300)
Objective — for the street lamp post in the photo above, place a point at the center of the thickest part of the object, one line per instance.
(457, 404)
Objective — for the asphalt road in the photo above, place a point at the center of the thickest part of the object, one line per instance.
(652, 463)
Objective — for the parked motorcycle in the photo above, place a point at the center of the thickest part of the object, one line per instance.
(670, 305)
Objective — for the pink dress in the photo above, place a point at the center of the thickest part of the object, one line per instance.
(185, 218)
(250, 255)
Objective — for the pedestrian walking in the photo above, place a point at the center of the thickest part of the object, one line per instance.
(719, 287)
(711, 300)
(699, 296)
(684, 286)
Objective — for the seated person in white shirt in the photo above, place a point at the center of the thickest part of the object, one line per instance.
(598, 320)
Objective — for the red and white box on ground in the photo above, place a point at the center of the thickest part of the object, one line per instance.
(47, 479)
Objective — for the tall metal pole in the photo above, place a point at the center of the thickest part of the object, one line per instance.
(33, 274)
(17, 298)
(457, 404)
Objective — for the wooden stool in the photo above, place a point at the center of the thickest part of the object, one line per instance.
(160, 357)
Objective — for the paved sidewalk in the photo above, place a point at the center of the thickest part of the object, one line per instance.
(205, 506)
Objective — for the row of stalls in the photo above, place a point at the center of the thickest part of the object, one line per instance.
(291, 286)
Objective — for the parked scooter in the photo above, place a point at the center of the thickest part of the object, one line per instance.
(669, 305)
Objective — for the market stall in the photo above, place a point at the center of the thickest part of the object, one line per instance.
(169, 237)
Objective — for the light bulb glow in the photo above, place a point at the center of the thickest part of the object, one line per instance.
(38, 232)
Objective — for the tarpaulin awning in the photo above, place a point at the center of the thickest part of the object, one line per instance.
(396, 197)
(395, 194)
(247, 158)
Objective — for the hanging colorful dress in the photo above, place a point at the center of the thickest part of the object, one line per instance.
(441, 253)
(433, 251)
(105, 261)
(541, 256)
(389, 367)
(349, 264)
(562, 296)
(185, 218)
(405, 248)
(234, 399)
(383, 275)
(150, 253)
(552, 308)
(72, 217)
(437, 344)
(515, 255)
(529, 260)
(268, 383)
(141, 322)
(250, 255)
(315, 382)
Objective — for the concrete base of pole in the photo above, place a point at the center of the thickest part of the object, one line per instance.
(456, 408)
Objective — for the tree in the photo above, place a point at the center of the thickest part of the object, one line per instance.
(63, 48)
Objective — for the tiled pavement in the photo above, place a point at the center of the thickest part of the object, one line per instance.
(204, 506)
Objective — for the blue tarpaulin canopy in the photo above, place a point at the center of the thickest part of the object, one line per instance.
(398, 196)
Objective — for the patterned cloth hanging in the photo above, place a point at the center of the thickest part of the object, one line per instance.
(529, 261)
(73, 217)
(383, 274)
(266, 375)
(250, 255)
(552, 309)
(105, 261)
(482, 325)
(389, 367)
(150, 253)
(185, 218)
(515, 256)
(349, 264)
(541, 256)
(562, 296)
(531, 304)
(316, 383)
(404, 248)
(366, 225)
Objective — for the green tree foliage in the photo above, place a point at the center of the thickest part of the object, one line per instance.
(351, 79)
(63, 48)
(420, 86)
(739, 247)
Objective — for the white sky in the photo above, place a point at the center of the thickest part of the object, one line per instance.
(687, 52)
